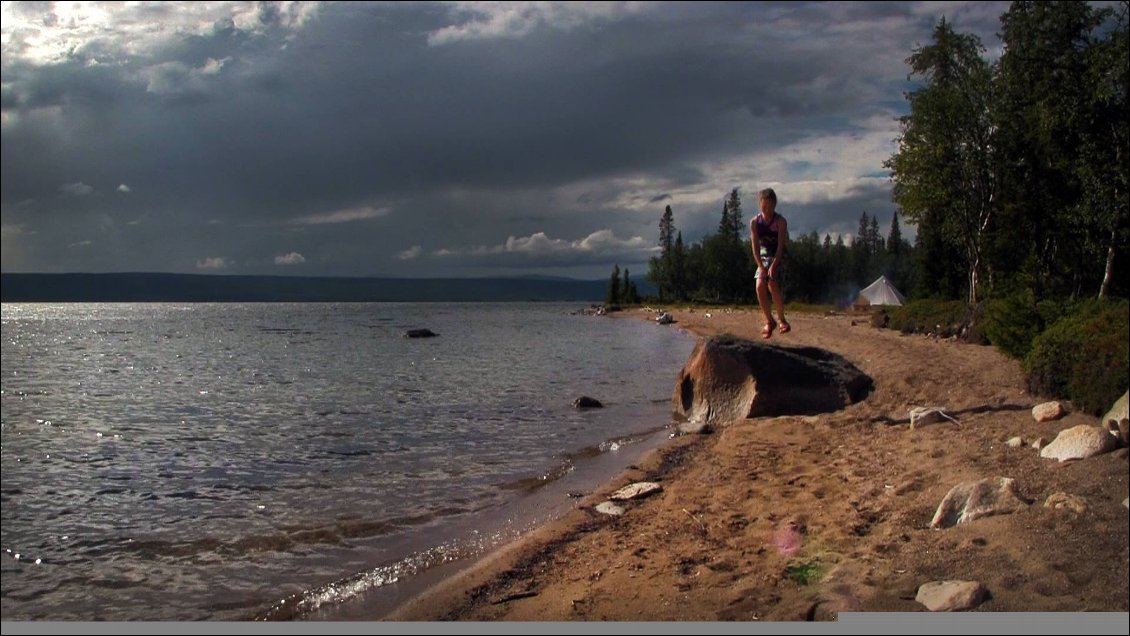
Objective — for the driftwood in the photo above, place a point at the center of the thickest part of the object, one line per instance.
(922, 415)
(514, 597)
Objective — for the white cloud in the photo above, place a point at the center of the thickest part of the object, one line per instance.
(605, 240)
(410, 253)
(124, 188)
(174, 78)
(213, 262)
(819, 168)
(76, 189)
(539, 244)
(46, 33)
(294, 258)
(492, 20)
(341, 216)
(213, 66)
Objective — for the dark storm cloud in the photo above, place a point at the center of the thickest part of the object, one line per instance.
(370, 138)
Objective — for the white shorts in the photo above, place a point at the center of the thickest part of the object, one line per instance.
(767, 262)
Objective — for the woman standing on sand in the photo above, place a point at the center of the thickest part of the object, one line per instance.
(769, 232)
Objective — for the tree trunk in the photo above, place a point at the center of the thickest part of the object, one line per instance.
(974, 277)
(1105, 287)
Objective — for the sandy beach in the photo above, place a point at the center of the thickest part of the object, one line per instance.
(799, 518)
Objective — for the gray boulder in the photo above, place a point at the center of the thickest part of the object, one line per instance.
(586, 402)
(975, 499)
(1079, 442)
(1048, 411)
(609, 508)
(952, 596)
(1116, 419)
(727, 378)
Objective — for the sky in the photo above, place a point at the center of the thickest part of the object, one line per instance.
(456, 139)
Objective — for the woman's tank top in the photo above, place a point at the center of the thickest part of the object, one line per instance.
(768, 233)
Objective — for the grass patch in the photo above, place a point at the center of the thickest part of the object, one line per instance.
(805, 573)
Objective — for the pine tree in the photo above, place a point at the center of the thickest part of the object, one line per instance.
(898, 263)
(661, 268)
(666, 232)
(679, 278)
(894, 240)
(874, 238)
(724, 223)
(728, 259)
(612, 299)
(860, 239)
(861, 252)
(731, 225)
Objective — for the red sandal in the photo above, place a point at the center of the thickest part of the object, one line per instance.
(767, 330)
(785, 327)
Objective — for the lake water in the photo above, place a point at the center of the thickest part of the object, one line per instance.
(231, 461)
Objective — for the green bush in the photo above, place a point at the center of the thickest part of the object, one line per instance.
(941, 317)
(1012, 323)
(975, 325)
(1084, 357)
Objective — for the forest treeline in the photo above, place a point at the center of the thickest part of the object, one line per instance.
(1014, 174)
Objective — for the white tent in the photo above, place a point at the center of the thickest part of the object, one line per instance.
(881, 292)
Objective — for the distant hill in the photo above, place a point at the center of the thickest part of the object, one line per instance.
(151, 287)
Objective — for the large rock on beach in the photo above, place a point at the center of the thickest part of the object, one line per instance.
(1119, 411)
(727, 378)
(1080, 442)
(972, 500)
(1048, 411)
(1116, 419)
(952, 596)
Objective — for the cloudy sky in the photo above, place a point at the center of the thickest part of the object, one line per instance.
(439, 139)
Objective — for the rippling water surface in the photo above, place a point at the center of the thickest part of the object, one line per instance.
(204, 461)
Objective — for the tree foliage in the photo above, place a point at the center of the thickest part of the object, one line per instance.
(942, 168)
(1041, 111)
(1016, 173)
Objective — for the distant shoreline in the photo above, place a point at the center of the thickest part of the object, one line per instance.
(160, 287)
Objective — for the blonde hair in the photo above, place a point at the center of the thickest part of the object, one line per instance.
(767, 193)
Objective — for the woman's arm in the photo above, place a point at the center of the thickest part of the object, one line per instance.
(755, 243)
(782, 238)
